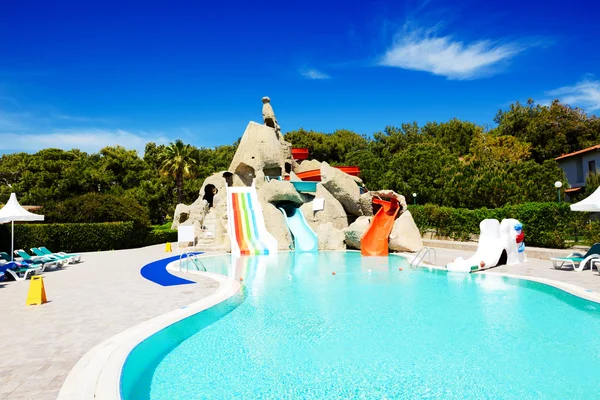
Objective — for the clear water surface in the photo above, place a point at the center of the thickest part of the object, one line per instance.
(372, 331)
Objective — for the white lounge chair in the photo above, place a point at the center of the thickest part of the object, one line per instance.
(45, 262)
(578, 261)
(72, 257)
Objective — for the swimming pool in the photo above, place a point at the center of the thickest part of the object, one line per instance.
(372, 331)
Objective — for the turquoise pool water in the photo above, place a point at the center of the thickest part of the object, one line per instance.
(372, 331)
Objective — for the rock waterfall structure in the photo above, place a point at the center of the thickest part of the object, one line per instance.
(338, 209)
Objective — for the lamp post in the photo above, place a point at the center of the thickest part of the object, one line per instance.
(558, 185)
(414, 198)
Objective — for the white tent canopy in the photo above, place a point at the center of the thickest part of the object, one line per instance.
(11, 212)
(589, 204)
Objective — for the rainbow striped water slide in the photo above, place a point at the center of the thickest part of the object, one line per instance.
(246, 223)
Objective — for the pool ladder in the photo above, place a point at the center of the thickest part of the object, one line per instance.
(425, 251)
(191, 258)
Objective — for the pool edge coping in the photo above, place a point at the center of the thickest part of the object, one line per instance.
(569, 288)
(97, 374)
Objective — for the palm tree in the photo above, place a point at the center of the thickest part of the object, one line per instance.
(179, 160)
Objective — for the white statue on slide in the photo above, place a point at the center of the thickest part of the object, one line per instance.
(499, 244)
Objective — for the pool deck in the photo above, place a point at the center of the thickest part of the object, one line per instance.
(105, 295)
(585, 284)
(88, 303)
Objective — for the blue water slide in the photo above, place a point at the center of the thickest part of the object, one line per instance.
(305, 239)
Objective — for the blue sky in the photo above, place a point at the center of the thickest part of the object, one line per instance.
(89, 74)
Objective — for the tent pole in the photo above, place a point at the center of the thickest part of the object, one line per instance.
(12, 241)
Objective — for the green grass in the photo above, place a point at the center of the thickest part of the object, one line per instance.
(166, 227)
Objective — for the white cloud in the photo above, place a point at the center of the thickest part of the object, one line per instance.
(442, 55)
(77, 119)
(30, 131)
(314, 74)
(585, 94)
(89, 140)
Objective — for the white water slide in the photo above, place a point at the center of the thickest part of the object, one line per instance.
(247, 230)
(497, 246)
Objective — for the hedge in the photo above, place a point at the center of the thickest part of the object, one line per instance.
(83, 237)
(544, 224)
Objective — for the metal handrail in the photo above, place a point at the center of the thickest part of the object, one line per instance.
(421, 256)
(193, 258)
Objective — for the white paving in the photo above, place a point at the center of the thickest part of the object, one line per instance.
(88, 303)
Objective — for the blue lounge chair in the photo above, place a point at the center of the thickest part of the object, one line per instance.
(578, 261)
(3, 269)
(20, 271)
(53, 257)
(44, 262)
(74, 257)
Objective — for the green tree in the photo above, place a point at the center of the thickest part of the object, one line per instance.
(48, 175)
(503, 149)
(392, 140)
(120, 169)
(592, 182)
(455, 135)
(495, 184)
(179, 160)
(420, 169)
(334, 147)
(552, 130)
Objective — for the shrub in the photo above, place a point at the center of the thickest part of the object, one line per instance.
(160, 236)
(545, 224)
(592, 232)
(83, 237)
(96, 207)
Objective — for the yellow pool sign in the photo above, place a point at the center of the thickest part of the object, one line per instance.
(168, 248)
(37, 293)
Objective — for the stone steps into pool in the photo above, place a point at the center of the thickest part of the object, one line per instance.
(207, 240)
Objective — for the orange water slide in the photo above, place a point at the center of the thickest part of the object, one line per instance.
(300, 153)
(374, 241)
(314, 175)
(354, 171)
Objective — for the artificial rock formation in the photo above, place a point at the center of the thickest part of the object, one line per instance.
(332, 211)
(405, 235)
(342, 187)
(260, 153)
(213, 185)
(308, 165)
(355, 231)
(277, 191)
(366, 203)
(275, 223)
(221, 227)
(388, 194)
(263, 152)
(330, 238)
(192, 213)
(269, 116)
